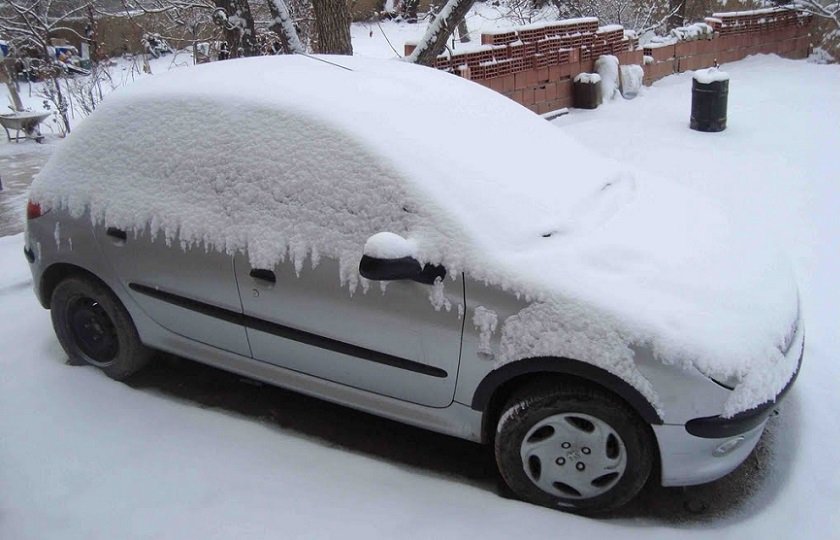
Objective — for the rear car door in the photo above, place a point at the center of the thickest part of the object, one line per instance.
(403, 342)
(188, 290)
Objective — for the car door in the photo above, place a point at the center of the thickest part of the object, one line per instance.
(188, 290)
(394, 341)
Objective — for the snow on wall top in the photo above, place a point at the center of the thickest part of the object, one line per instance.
(760, 11)
(293, 157)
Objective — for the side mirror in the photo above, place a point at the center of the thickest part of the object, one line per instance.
(389, 257)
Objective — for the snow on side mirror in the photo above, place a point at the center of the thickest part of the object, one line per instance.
(386, 245)
(388, 256)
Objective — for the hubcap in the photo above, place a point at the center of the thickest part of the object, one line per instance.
(92, 330)
(573, 455)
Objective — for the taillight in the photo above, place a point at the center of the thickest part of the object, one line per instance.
(33, 210)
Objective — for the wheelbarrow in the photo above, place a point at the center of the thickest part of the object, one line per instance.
(25, 122)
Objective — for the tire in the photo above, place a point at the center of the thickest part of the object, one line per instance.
(573, 447)
(94, 328)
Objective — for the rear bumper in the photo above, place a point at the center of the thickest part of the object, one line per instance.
(705, 449)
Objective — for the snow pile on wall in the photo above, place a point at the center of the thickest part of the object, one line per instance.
(632, 77)
(607, 68)
(290, 157)
(692, 32)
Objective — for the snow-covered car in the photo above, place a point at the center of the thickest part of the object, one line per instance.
(405, 242)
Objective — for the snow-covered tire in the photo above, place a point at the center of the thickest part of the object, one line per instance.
(535, 446)
(94, 328)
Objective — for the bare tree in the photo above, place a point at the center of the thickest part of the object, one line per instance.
(234, 17)
(332, 20)
(677, 17)
(238, 26)
(825, 9)
(439, 30)
(29, 26)
(638, 15)
(284, 26)
(187, 22)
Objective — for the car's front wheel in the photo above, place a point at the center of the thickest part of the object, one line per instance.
(572, 446)
(94, 328)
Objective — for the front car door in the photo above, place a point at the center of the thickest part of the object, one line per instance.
(402, 340)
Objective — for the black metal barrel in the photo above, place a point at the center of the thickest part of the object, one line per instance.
(708, 105)
(587, 95)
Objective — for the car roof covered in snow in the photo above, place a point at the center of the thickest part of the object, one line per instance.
(439, 130)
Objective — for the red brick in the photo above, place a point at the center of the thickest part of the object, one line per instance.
(565, 70)
(705, 46)
(508, 83)
(555, 72)
(661, 53)
(564, 103)
(542, 75)
(539, 94)
(551, 91)
(564, 89)
(683, 48)
(724, 43)
(528, 96)
(524, 79)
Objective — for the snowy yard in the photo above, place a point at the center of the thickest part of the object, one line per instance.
(186, 451)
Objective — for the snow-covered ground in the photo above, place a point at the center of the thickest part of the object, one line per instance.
(188, 452)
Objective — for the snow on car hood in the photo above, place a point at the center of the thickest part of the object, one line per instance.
(477, 183)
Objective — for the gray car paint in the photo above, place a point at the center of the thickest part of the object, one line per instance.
(399, 320)
(685, 393)
(189, 271)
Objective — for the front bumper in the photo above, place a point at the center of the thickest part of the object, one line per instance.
(705, 449)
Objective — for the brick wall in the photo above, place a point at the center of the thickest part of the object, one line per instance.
(536, 64)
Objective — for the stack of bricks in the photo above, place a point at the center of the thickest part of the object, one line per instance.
(775, 30)
(736, 35)
(535, 64)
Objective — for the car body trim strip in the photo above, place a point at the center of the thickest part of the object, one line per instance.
(287, 332)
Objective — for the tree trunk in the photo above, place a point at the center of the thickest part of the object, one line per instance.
(410, 11)
(677, 10)
(241, 36)
(284, 26)
(13, 93)
(439, 31)
(332, 22)
(463, 31)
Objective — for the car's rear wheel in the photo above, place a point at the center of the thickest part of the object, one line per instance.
(94, 328)
(573, 447)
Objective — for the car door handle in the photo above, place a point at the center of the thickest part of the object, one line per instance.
(118, 236)
(263, 275)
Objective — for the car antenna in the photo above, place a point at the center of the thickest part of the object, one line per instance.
(324, 61)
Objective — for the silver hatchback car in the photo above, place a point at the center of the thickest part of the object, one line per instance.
(299, 221)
